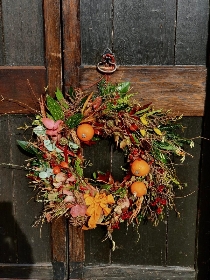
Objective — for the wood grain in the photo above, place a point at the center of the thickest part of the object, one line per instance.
(59, 240)
(99, 155)
(203, 221)
(2, 41)
(30, 247)
(20, 243)
(7, 221)
(123, 272)
(26, 271)
(182, 250)
(76, 243)
(180, 89)
(71, 42)
(96, 29)
(191, 32)
(71, 63)
(52, 21)
(144, 32)
(22, 30)
(21, 88)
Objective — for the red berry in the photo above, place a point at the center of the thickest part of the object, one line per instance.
(160, 188)
(159, 210)
(133, 127)
(56, 170)
(64, 164)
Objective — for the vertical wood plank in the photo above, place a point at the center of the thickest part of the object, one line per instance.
(143, 245)
(203, 230)
(52, 21)
(59, 248)
(8, 239)
(20, 242)
(33, 246)
(96, 251)
(96, 29)
(53, 53)
(192, 32)
(2, 42)
(23, 32)
(71, 63)
(182, 231)
(71, 42)
(76, 252)
(144, 32)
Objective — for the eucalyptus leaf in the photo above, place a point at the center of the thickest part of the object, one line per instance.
(43, 175)
(73, 145)
(39, 130)
(50, 146)
(52, 196)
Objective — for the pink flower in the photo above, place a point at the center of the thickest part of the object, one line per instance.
(53, 128)
(69, 196)
(78, 210)
(71, 179)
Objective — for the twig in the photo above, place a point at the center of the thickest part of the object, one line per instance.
(185, 195)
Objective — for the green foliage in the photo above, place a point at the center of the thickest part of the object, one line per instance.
(108, 89)
(26, 146)
(61, 99)
(123, 87)
(120, 192)
(55, 108)
(78, 167)
(71, 93)
(74, 120)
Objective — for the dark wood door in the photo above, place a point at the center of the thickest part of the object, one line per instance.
(160, 47)
(153, 41)
(24, 250)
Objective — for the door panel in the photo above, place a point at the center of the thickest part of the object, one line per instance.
(25, 250)
(22, 40)
(191, 32)
(151, 36)
(144, 32)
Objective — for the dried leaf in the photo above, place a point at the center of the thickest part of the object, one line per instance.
(144, 120)
(143, 132)
(157, 131)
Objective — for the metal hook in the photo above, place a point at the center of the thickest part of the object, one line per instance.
(107, 65)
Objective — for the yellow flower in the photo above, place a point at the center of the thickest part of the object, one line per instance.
(98, 205)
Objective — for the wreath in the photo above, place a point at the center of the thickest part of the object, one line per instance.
(149, 139)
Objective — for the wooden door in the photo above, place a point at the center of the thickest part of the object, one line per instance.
(25, 251)
(160, 47)
(153, 41)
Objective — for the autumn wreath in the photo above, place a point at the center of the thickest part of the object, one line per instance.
(148, 138)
